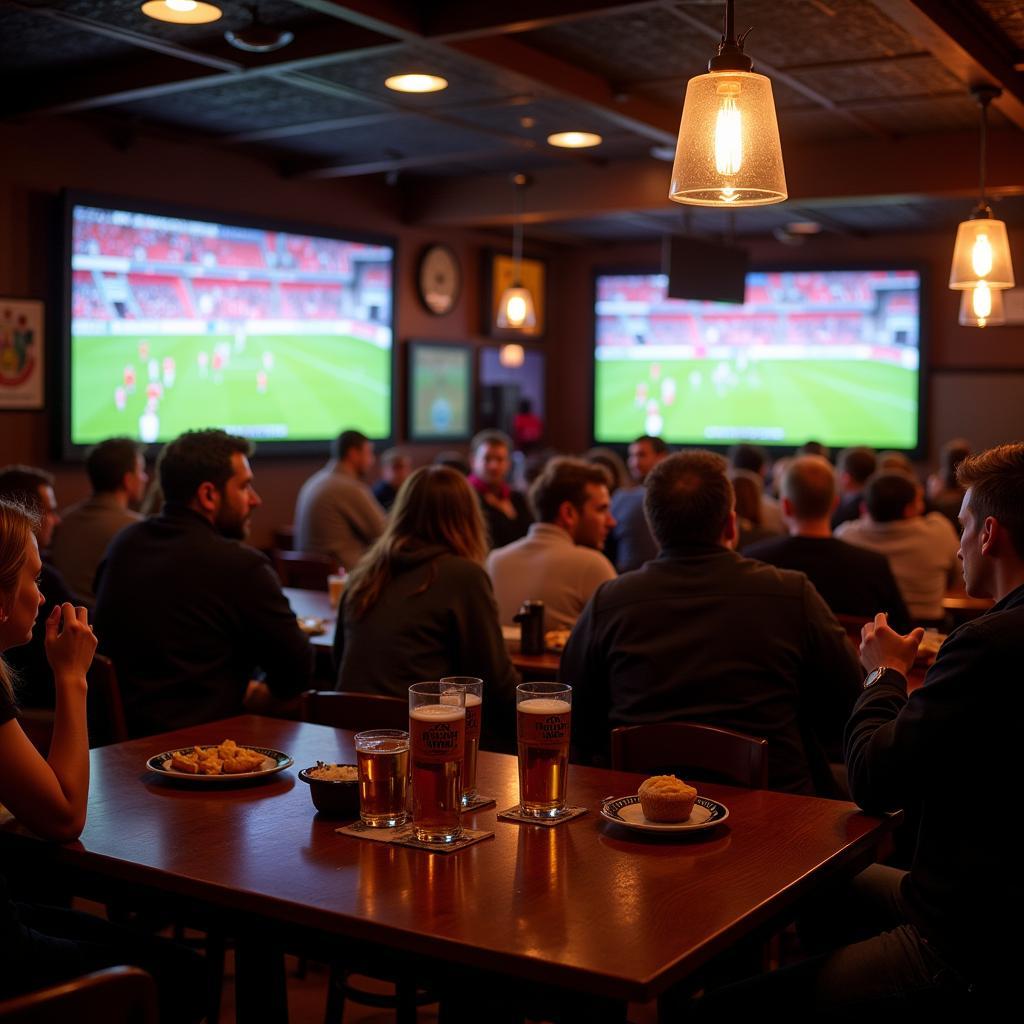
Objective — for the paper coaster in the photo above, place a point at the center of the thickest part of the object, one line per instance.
(515, 815)
(405, 835)
(479, 804)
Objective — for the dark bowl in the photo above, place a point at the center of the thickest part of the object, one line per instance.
(333, 799)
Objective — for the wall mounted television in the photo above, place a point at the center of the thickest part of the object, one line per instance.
(176, 319)
(832, 355)
(441, 391)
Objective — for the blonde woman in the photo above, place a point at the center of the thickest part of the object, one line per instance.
(43, 945)
(420, 605)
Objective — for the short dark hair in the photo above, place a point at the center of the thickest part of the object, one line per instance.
(995, 479)
(198, 457)
(813, 448)
(489, 437)
(810, 484)
(658, 446)
(888, 494)
(108, 462)
(953, 453)
(689, 498)
(748, 456)
(859, 463)
(20, 485)
(346, 441)
(561, 480)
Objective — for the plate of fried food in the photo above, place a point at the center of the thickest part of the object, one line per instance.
(556, 639)
(221, 762)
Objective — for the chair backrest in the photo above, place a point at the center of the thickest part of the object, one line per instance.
(118, 995)
(305, 570)
(355, 711)
(284, 537)
(107, 723)
(704, 752)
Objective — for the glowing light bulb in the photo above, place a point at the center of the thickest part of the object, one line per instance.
(728, 130)
(515, 311)
(981, 256)
(181, 5)
(981, 302)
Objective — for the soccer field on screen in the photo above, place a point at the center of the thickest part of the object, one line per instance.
(308, 386)
(841, 402)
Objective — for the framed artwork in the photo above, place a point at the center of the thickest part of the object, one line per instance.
(22, 354)
(441, 391)
(499, 274)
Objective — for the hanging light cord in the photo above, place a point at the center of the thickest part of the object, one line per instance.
(984, 100)
(519, 182)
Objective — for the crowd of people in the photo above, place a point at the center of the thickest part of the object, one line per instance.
(696, 587)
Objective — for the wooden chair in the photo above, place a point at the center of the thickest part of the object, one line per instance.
(703, 751)
(107, 723)
(355, 711)
(118, 995)
(304, 570)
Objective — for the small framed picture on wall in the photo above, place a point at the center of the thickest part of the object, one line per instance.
(514, 315)
(22, 354)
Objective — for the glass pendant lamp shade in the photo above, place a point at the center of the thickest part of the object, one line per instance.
(728, 152)
(515, 310)
(981, 254)
(982, 306)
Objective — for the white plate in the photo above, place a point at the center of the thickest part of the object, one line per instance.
(311, 625)
(626, 810)
(273, 761)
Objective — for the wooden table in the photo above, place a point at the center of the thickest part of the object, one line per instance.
(587, 909)
(314, 604)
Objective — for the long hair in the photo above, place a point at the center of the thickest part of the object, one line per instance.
(435, 507)
(16, 528)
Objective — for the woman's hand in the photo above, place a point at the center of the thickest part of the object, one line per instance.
(69, 650)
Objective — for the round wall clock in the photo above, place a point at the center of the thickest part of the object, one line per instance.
(439, 279)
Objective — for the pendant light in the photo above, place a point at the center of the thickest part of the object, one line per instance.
(728, 152)
(982, 251)
(982, 306)
(515, 308)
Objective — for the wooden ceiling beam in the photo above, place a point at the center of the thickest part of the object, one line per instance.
(845, 170)
(968, 43)
(470, 19)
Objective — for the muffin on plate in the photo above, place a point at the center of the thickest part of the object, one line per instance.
(664, 798)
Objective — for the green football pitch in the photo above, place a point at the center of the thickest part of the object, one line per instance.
(837, 402)
(314, 385)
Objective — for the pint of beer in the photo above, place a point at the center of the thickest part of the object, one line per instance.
(543, 712)
(437, 725)
(474, 713)
(383, 759)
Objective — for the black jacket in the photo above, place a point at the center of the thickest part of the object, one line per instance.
(188, 617)
(703, 635)
(950, 756)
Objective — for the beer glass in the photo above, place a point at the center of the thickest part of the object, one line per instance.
(437, 724)
(382, 756)
(543, 711)
(474, 710)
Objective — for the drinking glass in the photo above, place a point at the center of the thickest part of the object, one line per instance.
(437, 725)
(543, 713)
(382, 756)
(474, 712)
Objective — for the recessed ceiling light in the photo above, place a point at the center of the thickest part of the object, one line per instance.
(574, 140)
(416, 83)
(182, 12)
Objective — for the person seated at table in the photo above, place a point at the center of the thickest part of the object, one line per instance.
(748, 489)
(336, 513)
(701, 634)
(852, 580)
(185, 610)
(754, 459)
(46, 945)
(32, 488)
(420, 605)
(117, 474)
(559, 561)
(931, 942)
(618, 475)
(506, 514)
(854, 467)
(942, 491)
(921, 547)
(630, 542)
(395, 467)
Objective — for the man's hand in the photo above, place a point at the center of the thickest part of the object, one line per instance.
(882, 647)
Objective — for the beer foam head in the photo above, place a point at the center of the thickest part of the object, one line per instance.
(472, 700)
(437, 713)
(544, 706)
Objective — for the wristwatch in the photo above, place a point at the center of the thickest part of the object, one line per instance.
(878, 673)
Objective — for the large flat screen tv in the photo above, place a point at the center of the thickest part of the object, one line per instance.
(177, 320)
(826, 355)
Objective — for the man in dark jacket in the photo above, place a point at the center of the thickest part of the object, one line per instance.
(186, 611)
(701, 634)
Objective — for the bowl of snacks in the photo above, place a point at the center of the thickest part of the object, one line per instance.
(334, 789)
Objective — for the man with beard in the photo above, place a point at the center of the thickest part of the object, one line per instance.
(187, 612)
